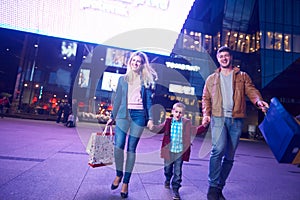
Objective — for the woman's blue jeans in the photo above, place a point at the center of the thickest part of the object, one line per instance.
(226, 134)
(135, 124)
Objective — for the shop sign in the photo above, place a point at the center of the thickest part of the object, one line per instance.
(180, 66)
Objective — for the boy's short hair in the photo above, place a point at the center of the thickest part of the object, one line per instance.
(224, 49)
(180, 105)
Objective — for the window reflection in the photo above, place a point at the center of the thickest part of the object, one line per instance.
(269, 40)
(208, 43)
(296, 42)
(239, 41)
(252, 43)
(257, 40)
(233, 40)
(217, 41)
(287, 42)
(192, 40)
(277, 40)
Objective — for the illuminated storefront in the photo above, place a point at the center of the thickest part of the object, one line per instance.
(52, 69)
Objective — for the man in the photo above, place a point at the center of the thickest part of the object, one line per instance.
(224, 107)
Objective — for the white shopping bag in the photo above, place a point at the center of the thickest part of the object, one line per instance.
(101, 148)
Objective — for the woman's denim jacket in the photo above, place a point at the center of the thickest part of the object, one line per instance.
(120, 102)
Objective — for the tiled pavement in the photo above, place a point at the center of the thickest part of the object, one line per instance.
(45, 160)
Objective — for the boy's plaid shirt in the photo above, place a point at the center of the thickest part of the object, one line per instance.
(176, 136)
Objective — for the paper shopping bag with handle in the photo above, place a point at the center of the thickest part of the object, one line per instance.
(281, 132)
(101, 148)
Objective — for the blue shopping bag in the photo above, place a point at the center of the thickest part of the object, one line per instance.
(281, 132)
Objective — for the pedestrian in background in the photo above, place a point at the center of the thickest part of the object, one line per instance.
(224, 107)
(176, 145)
(74, 109)
(4, 102)
(60, 112)
(66, 109)
(131, 111)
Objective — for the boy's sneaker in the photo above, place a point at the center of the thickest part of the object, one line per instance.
(176, 195)
(167, 184)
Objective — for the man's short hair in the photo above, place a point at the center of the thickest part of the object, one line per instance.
(224, 49)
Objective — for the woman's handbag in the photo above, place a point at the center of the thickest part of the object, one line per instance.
(101, 148)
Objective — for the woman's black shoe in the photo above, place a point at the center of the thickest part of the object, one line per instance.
(124, 195)
(113, 187)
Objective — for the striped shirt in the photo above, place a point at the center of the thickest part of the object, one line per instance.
(176, 136)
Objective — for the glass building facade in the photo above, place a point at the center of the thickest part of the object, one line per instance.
(264, 35)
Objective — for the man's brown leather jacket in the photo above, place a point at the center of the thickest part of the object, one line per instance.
(242, 87)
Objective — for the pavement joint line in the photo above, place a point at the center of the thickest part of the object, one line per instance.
(294, 172)
(81, 183)
(73, 152)
(192, 164)
(153, 164)
(21, 158)
(199, 159)
(158, 164)
(143, 185)
(242, 154)
(264, 157)
(248, 155)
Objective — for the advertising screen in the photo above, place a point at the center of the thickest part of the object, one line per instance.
(181, 89)
(98, 21)
(68, 50)
(84, 78)
(110, 81)
(117, 57)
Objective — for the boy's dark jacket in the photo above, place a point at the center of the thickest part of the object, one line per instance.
(187, 129)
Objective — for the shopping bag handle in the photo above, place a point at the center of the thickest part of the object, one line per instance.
(267, 109)
(105, 130)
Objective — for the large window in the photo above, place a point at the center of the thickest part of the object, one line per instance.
(287, 42)
(192, 41)
(280, 41)
(270, 41)
(296, 42)
(237, 41)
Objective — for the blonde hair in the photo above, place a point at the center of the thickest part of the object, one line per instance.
(179, 105)
(148, 74)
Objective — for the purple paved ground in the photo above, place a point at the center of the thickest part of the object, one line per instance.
(46, 160)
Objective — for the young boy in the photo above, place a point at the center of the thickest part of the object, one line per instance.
(176, 146)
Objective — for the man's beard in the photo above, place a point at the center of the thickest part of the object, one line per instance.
(226, 66)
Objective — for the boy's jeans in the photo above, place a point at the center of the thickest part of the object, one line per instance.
(173, 168)
(226, 133)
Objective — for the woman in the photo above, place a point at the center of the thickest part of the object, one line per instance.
(131, 111)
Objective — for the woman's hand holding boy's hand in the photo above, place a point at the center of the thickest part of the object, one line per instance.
(150, 125)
